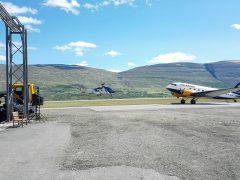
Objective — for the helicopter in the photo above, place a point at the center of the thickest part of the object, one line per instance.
(104, 89)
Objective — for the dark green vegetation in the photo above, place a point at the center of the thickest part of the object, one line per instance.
(66, 82)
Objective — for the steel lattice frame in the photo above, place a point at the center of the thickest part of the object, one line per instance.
(15, 72)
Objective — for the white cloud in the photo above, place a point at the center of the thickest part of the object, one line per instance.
(29, 20)
(172, 57)
(78, 47)
(82, 44)
(14, 9)
(112, 53)
(62, 48)
(93, 7)
(115, 70)
(83, 63)
(209, 61)
(78, 51)
(30, 28)
(236, 26)
(148, 3)
(121, 2)
(105, 3)
(66, 5)
(2, 58)
(132, 65)
(96, 6)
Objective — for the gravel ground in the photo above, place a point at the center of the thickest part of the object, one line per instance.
(161, 144)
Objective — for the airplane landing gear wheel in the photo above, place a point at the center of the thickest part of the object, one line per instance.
(183, 101)
(235, 100)
(193, 101)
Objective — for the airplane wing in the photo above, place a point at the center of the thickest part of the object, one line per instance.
(215, 93)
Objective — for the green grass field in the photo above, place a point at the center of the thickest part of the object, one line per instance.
(116, 102)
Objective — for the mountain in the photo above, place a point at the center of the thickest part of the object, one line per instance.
(62, 82)
(157, 76)
(225, 71)
(219, 74)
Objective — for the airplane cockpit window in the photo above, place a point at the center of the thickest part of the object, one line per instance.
(174, 84)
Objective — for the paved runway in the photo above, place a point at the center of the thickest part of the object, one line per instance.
(153, 107)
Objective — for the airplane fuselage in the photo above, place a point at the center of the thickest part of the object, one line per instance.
(185, 90)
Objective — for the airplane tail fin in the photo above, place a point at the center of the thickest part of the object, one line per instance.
(238, 85)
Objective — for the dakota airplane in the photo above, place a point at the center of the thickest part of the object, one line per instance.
(185, 91)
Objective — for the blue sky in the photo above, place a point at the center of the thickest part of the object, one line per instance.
(121, 34)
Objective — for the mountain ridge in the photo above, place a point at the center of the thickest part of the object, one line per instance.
(62, 82)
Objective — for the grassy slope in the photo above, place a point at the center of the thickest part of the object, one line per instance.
(158, 76)
(227, 72)
(62, 82)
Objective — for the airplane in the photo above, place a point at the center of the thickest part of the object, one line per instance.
(185, 91)
(104, 89)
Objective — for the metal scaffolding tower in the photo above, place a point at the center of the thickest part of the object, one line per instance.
(16, 61)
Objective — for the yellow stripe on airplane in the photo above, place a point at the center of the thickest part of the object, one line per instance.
(185, 93)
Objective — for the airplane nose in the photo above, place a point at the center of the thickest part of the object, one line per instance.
(168, 87)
